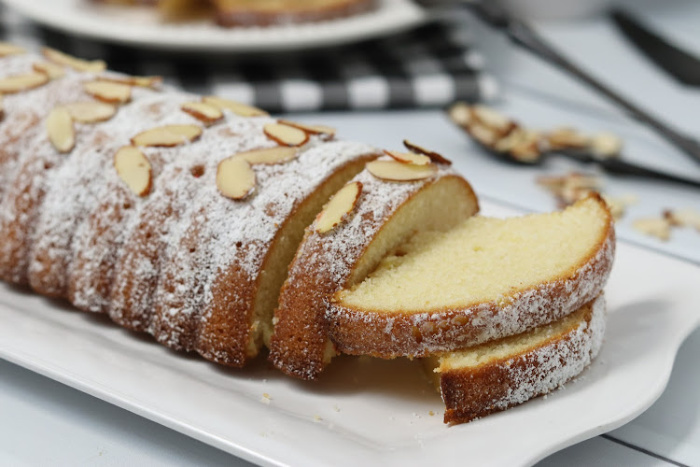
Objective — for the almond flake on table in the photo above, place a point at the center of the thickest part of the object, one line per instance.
(687, 217)
(658, 227)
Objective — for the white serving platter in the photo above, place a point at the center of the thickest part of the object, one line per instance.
(142, 26)
(365, 412)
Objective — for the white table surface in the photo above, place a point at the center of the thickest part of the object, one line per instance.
(45, 423)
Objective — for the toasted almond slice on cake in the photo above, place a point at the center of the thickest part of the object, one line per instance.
(434, 156)
(51, 70)
(311, 129)
(242, 110)
(400, 172)
(10, 49)
(338, 208)
(269, 156)
(24, 82)
(95, 66)
(134, 169)
(235, 178)
(408, 157)
(106, 91)
(90, 111)
(203, 112)
(140, 81)
(285, 135)
(59, 125)
(167, 136)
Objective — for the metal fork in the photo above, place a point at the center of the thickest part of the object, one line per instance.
(522, 34)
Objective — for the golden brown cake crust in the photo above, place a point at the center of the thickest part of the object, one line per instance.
(231, 13)
(472, 393)
(395, 334)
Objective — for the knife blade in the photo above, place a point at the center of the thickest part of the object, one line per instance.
(676, 62)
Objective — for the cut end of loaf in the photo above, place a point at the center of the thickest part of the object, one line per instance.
(483, 259)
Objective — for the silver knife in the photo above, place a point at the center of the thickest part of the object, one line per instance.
(676, 62)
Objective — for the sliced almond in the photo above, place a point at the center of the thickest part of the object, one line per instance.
(687, 217)
(269, 156)
(51, 70)
(242, 110)
(167, 136)
(206, 113)
(311, 129)
(90, 111)
(24, 82)
(567, 138)
(483, 135)
(235, 178)
(134, 169)
(140, 81)
(434, 156)
(95, 66)
(654, 226)
(523, 145)
(408, 157)
(461, 114)
(285, 135)
(605, 145)
(59, 125)
(492, 119)
(10, 49)
(618, 204)
(400, 172)
(338, 208)
(113, 93)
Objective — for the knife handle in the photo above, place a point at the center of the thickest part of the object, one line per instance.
(523, 35)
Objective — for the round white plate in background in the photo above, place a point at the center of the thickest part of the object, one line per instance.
(141, 26)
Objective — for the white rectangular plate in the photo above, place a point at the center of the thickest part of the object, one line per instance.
(363, 411)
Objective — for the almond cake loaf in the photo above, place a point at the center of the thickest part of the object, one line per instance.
(221, 230)
(116, 180)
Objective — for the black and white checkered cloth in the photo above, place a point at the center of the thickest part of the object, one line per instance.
(431, 66)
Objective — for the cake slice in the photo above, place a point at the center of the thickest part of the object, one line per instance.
(227, 261)
(386, 214)
(484, 279)
(494, 376)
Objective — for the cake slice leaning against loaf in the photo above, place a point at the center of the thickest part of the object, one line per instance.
(496, 375)
(484, 279)
(385, 215)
